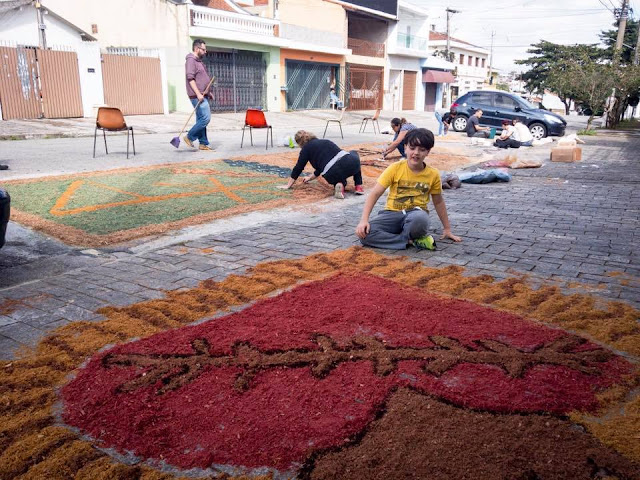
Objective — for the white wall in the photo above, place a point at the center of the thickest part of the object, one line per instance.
(19, 27)
(91, 84)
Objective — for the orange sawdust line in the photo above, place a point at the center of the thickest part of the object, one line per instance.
(225, 190)
(38, 449)
(66, 196)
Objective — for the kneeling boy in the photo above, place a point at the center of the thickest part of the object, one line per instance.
(405, 219)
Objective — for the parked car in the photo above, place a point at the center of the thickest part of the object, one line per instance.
(498, 106)
(5, 208)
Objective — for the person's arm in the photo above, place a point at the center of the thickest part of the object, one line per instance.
(441, 210)
(393, 145)
(374, 194)
(299, 167)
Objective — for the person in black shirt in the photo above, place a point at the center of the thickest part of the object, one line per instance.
(473, 126)
(332, 165)
(447, 118)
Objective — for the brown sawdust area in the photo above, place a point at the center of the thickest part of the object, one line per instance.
(33, 446)
(441, 158)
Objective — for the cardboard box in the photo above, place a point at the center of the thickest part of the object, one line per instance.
(566, 154)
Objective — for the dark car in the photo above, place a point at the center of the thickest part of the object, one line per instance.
(498, 106)
(5, 205)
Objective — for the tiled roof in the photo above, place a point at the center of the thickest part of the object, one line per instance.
(443, 36)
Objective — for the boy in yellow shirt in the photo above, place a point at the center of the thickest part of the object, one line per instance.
(405, 219)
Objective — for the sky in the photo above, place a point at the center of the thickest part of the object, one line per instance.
(520, 23)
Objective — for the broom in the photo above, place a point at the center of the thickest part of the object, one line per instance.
(175, 141)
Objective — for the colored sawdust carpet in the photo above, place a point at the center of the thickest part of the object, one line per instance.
(340, 365)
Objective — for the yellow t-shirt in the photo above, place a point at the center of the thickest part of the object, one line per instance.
(407, 189)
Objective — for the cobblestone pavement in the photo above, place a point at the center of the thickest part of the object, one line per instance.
(572, 224)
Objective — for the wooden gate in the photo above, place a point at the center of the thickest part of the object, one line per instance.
(19, 92)
(365, 87)
(132, 84)
(60, 84)
(409, 90)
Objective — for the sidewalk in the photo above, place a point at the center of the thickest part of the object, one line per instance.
(173, 122)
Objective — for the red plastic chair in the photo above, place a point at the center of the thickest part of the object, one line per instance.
(256, 119)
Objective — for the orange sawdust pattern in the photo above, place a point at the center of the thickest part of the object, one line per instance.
(33, 446)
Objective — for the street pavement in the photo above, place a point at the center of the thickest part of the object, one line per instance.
(574, 225)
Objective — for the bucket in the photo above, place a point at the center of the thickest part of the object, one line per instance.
(492, 133)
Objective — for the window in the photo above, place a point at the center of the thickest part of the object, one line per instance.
(505, 102)
(469, 60)
(483, 60)
(477, 62)
(482, 98)
(461, 59)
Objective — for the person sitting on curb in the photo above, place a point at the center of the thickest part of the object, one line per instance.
(332, 166)
(400, 126)
(507, 139)
(522, 133)
(405, 219)
(473, 126)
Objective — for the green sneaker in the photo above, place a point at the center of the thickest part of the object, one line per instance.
(425, 243)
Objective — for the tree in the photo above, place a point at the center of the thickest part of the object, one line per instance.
(609, 38)
(590, 82)
(549, 60)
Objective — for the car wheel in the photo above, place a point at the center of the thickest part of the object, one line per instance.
(538, 130)
(460, 123)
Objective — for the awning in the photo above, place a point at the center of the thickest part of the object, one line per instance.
(436, 76)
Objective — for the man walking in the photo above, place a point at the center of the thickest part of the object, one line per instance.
(198, 90)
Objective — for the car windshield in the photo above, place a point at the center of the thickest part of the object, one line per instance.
(527, 104)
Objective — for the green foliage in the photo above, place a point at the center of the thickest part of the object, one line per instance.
(549, 63)
(503, 86)
(589, 133)
(629, 124)
(609, 38)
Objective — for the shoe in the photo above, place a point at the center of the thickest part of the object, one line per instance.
(188, 142)
(4, 167)
(359, 190)
(205, 147)
(338, 191)
(425, 243)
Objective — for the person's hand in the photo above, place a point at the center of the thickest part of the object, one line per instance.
(200, 97)
(362, 230)
(306, 180)
(449, 235)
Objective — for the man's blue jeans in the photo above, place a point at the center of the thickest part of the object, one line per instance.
(203, 117)
(440, 123)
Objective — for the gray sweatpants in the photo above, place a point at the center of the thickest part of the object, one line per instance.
(393, 230)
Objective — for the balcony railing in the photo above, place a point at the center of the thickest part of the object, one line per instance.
(237, 22)
(366, 48)
(413, 42)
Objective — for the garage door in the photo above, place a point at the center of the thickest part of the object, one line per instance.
(409, 90)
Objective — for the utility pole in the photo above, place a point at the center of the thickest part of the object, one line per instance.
(493, 34)
(622, 14)
(450, 12)
(636, 56)
(41, 26)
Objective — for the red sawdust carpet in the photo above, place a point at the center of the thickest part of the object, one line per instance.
(361, 374)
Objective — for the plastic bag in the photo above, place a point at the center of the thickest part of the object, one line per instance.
(288, 141)
(485, 176)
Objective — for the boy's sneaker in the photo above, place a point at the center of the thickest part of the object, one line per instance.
(338, 191)
(425, 243)
(205, 147)
(359, 190)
